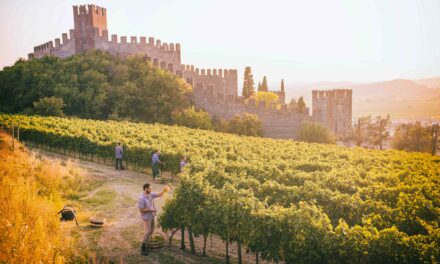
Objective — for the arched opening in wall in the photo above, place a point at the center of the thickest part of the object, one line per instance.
(156, 62)
(170, 67)
(200, 87)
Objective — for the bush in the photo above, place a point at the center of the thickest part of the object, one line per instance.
(193, 119)
(315, 133)
(246, 124)
(49, 106)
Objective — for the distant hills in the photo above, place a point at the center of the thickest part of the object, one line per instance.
(401, 98)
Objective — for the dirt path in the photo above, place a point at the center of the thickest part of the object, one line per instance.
(115, 199)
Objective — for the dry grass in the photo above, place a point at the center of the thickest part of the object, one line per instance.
(32, 191)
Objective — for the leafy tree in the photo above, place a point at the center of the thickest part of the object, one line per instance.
(49, 106)
(379, 131)
(246, 124)
(315, 133)
(266, 97)
(193, 118)
(412, 137)
(301, 106)
(360, 134)
(248, 83)
(435, 138)
(95, 85)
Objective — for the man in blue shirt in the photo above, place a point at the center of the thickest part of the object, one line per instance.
(148, 212)
(155, 161)
(119, 153)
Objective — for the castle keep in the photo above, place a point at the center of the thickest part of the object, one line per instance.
(214, 90)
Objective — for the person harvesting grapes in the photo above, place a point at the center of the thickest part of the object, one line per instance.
(155, 161)
(119, 154)
(148, 212)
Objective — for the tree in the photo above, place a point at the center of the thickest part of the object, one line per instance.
(248, 83)
(360, 134)
(301, 106)
(412, 137)
(264, 87)
(282, 85)
(49, 106)
(266, 97)
(379, 131)
(193, 118)
(293, 105)
(259, 86)
(246, 124)
(315, 133)
(95, 85)
(435, 137)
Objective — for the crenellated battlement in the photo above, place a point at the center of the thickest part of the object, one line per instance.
(221, 73)
(49, 48)
(88, 10)
(139, 41)
(332, 94)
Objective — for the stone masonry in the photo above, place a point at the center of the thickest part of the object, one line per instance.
(214, 90)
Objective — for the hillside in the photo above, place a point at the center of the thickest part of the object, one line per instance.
(315, 203)
(33, 190)
(430, 82)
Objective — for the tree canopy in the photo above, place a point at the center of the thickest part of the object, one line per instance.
(95, 85)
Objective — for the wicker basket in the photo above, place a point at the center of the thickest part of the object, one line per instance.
(98, 220)
(156, 241)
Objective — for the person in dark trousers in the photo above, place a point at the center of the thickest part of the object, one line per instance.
(148, 212)
(155, 161)
(119, 154)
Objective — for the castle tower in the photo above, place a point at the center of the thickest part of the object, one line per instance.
(333, 109)
(87, 20)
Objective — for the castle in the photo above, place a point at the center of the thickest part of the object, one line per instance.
(214, 90)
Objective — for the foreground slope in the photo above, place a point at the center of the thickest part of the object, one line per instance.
(291, 201)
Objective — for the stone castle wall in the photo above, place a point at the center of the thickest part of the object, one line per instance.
(219, 84)
(215, 90)
(276, 123)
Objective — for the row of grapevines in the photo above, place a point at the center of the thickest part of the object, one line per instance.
(291, 201)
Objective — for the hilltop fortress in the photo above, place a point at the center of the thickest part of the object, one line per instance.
(214, 90)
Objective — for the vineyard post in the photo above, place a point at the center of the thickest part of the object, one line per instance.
(18, 132)
(13, 130)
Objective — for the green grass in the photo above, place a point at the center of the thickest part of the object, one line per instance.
(131, 235)
(101, 198)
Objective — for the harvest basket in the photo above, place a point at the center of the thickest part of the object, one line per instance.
(97, 220)
(156, 241)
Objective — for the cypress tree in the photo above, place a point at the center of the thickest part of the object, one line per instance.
(248, 83)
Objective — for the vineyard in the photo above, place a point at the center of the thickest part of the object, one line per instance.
(284, 200)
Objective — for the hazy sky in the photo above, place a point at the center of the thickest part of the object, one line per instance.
(300, 41)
